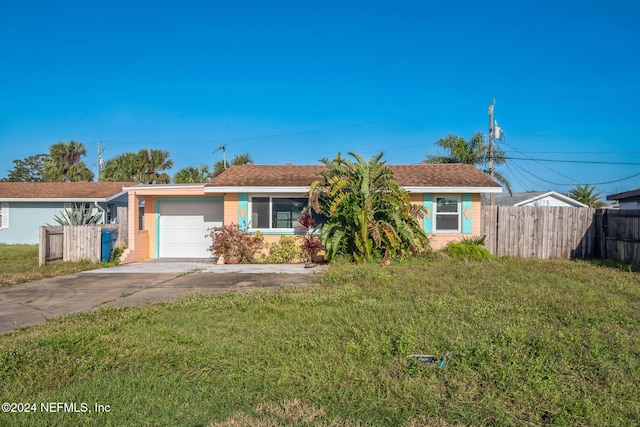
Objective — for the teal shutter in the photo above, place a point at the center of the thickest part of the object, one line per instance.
(467, 214)
(243, 211)
(427, 220)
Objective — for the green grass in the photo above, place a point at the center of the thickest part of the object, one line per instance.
(19, 264)
(532, 343)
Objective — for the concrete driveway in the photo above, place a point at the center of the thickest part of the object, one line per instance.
(138, 283)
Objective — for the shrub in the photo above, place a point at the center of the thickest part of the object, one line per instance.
(286, 251)
(310, 242)
(79, 214)
(474, 240)
(466, 251)
(234, 245)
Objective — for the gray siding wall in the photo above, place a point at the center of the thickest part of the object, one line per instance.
(25, 219)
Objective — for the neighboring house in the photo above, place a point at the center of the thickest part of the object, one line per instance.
(627, 200)
(25, 206)
(536, 199)
(268, 199)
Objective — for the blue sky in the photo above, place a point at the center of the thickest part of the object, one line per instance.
(298, 81)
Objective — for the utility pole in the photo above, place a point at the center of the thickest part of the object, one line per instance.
(492, 196)
(100, 161)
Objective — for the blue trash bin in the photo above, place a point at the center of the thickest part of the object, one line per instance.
(109, 238)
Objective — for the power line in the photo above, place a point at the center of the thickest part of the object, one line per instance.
(572, 184)
(594, 162)
(582, 152)
(541, 164)
(557, 98)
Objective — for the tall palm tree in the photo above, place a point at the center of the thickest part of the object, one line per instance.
(585, 194)
(155, 162)
(368, 213)
(238, 159)
(192, 174)
(64, 163)
(474, 151)
(145, 166)
(122, 168)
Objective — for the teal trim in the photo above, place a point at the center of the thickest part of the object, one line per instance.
(427, 220)
(243, 211)
(177, 199)
(189, 199)
(467, 214)
(284, 232)
(157, 228)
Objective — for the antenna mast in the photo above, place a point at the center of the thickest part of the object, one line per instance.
(224, 155)
(492, 196)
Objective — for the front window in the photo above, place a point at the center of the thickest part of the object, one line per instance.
(141, 214)
(276, 212)
(4, 215)
(447, 214)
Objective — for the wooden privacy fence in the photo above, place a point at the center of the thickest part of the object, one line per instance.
(72, 242)
(619, 236)
(76, 242)
(559, 232)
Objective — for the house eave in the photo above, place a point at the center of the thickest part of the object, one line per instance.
(161, 187)
(411, 189)
(56, 199)
(271, 189)
(305, 189)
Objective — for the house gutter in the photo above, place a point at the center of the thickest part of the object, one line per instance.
(104, 213)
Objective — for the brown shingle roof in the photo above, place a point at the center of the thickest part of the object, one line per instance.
(419, 175)
(60, 190)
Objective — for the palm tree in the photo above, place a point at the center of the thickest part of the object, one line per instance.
(145, 166)
(192, 174)
(368, 214)
(585, 194)
(64, 163)
(155, 162)
(238, 159)
(123, 168)
(474, 151)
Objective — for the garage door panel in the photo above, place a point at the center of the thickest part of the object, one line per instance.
(184, 228)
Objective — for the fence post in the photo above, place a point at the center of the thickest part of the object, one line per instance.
(42, 247)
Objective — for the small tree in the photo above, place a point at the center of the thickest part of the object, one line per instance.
(31, 169)
(368, 214)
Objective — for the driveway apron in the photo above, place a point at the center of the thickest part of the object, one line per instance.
(134, 284)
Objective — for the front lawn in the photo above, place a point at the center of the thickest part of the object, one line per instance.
(19, 263)
(532, 343)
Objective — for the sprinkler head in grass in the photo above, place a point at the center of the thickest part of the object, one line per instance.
(445, 358)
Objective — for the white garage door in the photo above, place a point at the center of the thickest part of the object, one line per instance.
(184, 228)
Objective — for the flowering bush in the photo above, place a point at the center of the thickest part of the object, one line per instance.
(234, 245)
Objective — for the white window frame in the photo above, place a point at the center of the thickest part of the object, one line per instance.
(457, 230)
(4, 215)
(271, 197)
